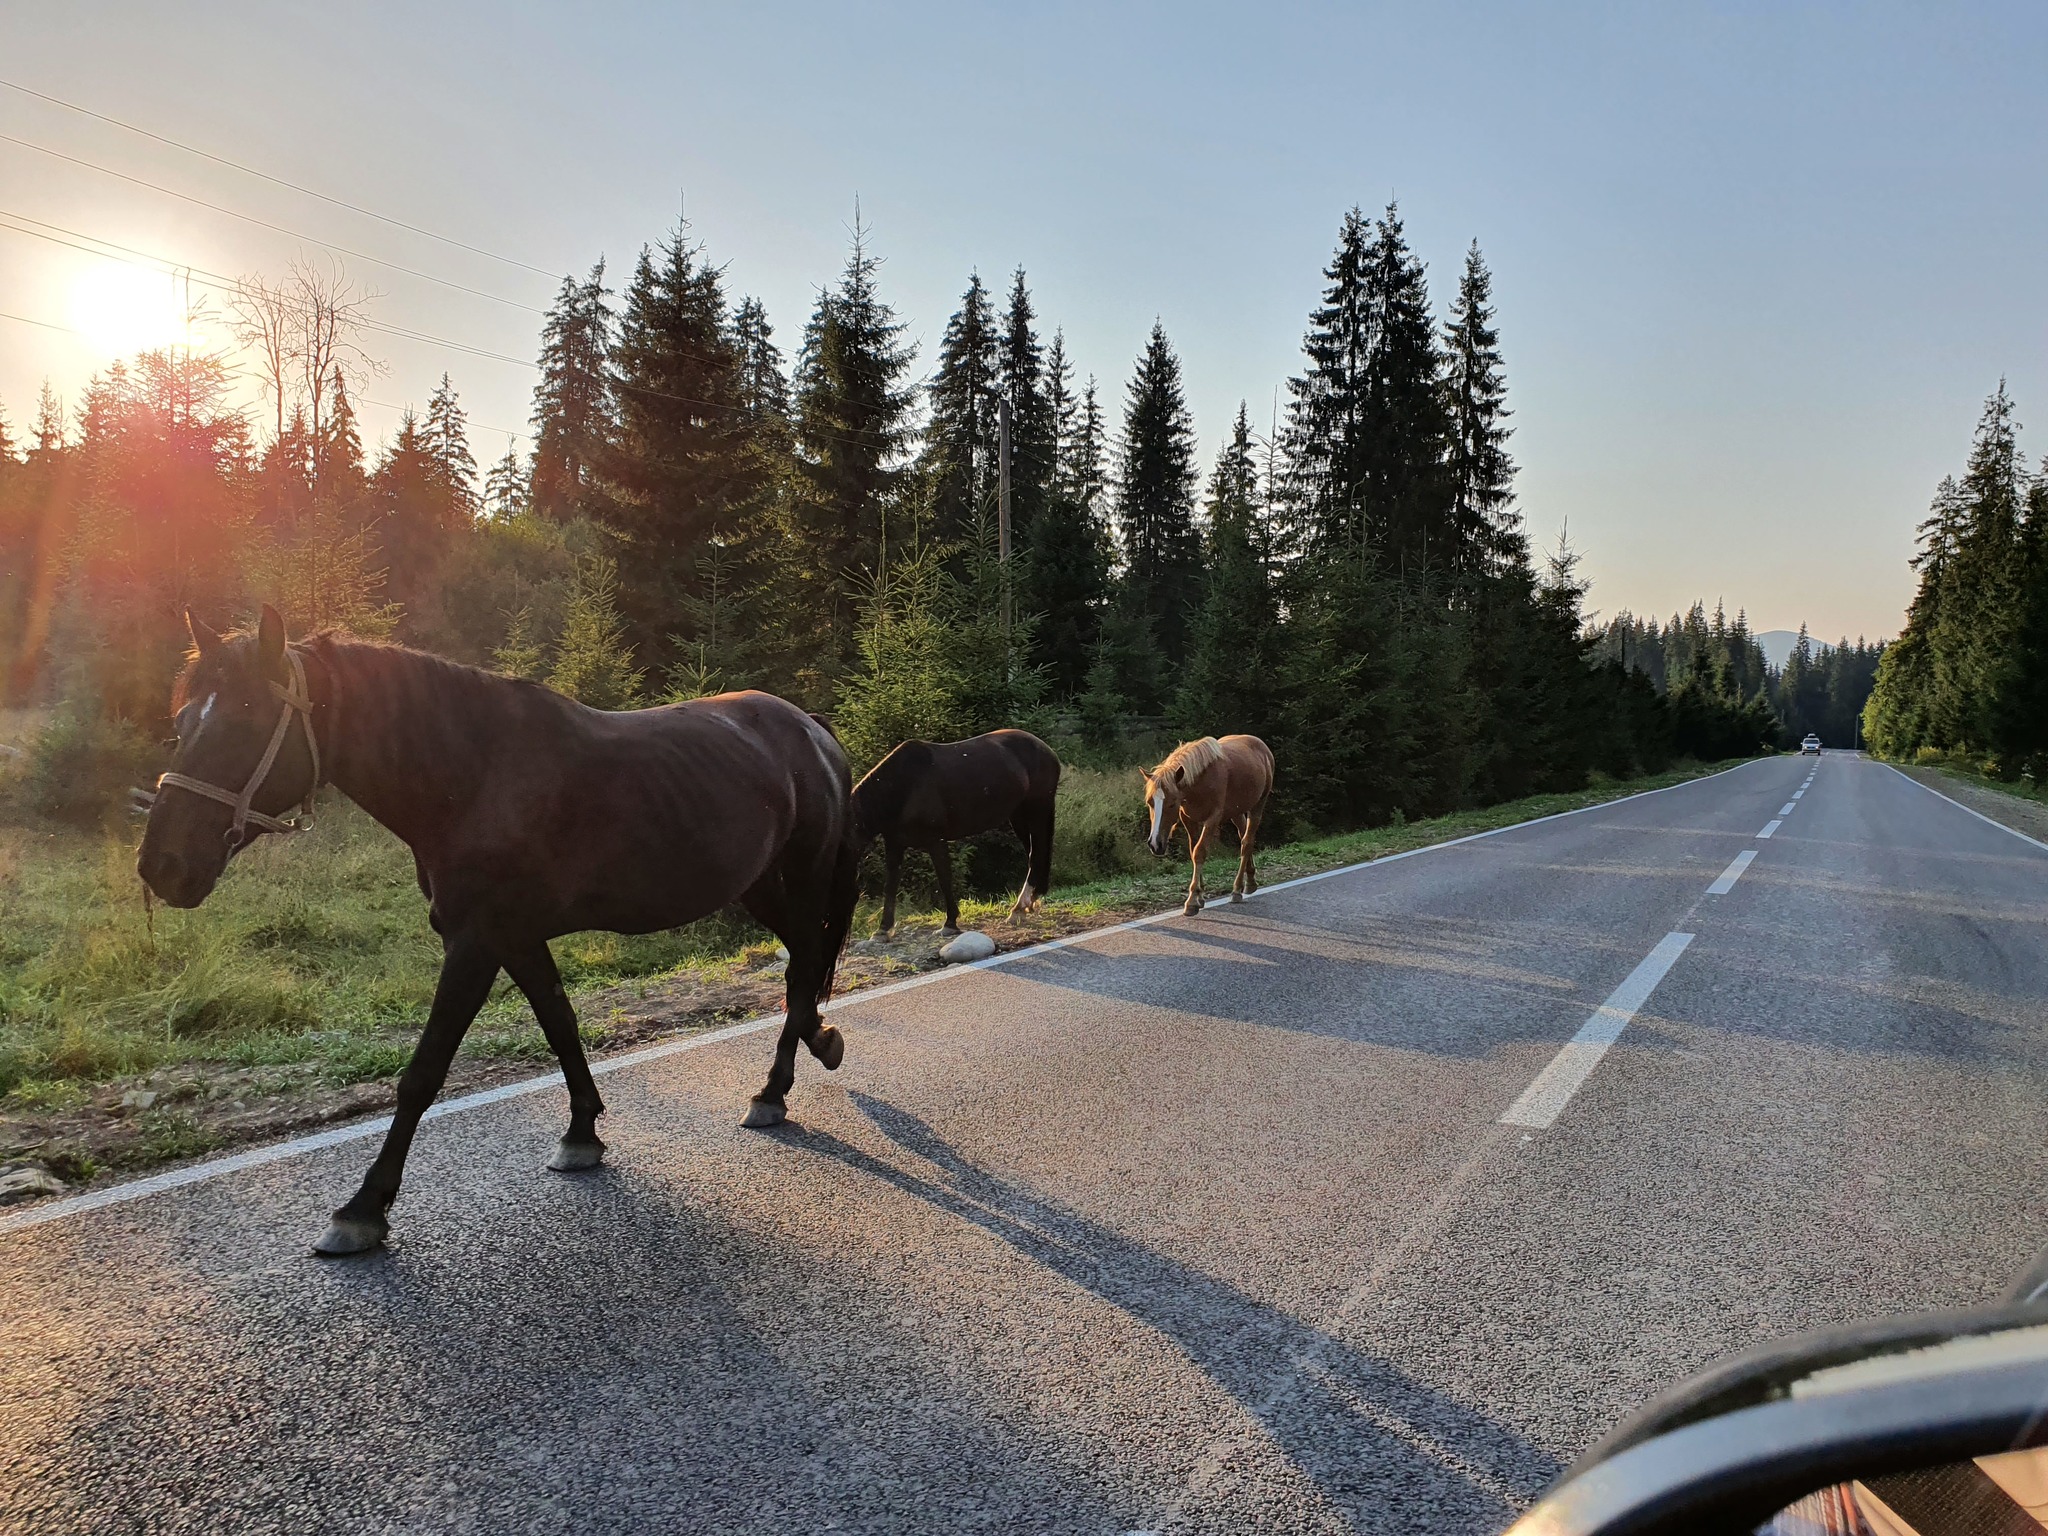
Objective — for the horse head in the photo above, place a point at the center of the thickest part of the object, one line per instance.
(238, 762)
(1164, 786)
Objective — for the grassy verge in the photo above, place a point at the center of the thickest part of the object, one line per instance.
(294, 994)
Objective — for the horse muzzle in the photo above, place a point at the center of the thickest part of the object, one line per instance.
(172, 879)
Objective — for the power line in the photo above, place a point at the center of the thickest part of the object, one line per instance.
(46, 325)
(249, 170)
(249, 218)
(130, 256)
(134, 257)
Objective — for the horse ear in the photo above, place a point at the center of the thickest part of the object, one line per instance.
(270, 642)
(1180, 775)
(203, 639)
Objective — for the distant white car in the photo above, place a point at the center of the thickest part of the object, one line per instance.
(1811, 744)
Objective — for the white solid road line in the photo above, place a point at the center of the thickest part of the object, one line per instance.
(1732, 873)
(1788, 807)
(1769, 828)
(1544, 1099)
(1988, 821)
(255, 1157)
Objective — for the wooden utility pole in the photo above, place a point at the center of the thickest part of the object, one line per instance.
(1003, 505)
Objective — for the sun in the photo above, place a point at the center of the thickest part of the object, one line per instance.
(125, 309)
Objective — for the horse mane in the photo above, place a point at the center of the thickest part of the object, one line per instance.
(1193, 758)
(879, 797)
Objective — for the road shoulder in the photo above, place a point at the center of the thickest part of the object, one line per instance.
(2017, 812)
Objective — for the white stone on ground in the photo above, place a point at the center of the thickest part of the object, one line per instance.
(970, 946)
(28, 1184)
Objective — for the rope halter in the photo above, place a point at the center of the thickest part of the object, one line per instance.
(298, 704)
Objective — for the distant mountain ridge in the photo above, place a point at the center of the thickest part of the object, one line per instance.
(1777, 645)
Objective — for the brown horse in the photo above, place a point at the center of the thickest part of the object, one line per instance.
(928, 794)
(529, 816)
(1201, 785)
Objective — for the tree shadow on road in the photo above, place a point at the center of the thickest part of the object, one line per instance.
(1392, 1453)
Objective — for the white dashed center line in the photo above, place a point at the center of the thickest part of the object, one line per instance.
(1788, 807)
(1544, 1099)
(1732, 873)
(1769, 828)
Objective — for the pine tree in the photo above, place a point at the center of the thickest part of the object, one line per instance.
(446, 431)
(682, 470)
(593, 661)
(1485, 528)
(852, 425)
(1155, 500)
(506, 487)
(1406, 494)
(339, 477)
(49, 420)
(1939, 687)
(1236, 649)
(572, 405)
(520, 654)
(1069, 556)
(1327, 409)
(1034, 426)
(960, 435)
(1368, 426)
(764, 388)
(418, 516)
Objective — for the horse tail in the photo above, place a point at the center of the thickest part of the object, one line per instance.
(842, 896)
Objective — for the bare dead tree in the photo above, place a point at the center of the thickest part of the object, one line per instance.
(331, 311)
(266, 324)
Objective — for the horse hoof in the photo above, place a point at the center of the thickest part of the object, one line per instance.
(1193, 906)
(949, 932)
(829, 1046)
(761, 1114)
(575, 1156)
(350, 1234)
(1236, 897)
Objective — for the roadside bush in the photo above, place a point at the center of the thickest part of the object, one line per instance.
(83, 764)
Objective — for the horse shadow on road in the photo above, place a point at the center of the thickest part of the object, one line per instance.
(1389, 1451)
(1451, 988)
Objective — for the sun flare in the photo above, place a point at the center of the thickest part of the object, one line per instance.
(124, 310)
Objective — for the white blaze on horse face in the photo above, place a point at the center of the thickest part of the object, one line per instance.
(1158, 814)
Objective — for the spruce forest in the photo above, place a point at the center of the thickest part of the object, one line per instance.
(1967, 680)
(709, 505)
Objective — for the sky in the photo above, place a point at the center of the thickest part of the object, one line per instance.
(1757, 266)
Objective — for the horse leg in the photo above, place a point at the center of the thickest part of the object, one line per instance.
(1029, 825)
(467, 971)
(1239, 888)
(942, 862)
(1198, 850)
(803, 929)
(533, 972)
(892, 855)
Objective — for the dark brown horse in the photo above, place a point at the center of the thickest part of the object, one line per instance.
(927, 794)
(529, 816)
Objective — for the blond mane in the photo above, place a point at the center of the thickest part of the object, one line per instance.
(1193, 757)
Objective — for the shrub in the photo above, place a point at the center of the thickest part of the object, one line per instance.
(83, 764)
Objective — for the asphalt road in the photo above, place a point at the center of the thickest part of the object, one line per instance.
(1209, 1225)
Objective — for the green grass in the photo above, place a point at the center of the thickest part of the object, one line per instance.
(1974, 770)
(316, 950)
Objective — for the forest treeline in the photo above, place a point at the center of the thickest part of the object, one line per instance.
(1969, 674)
(705, 509)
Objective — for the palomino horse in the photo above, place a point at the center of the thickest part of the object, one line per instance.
(1203, 784)
(927, 794)
(529, 816)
